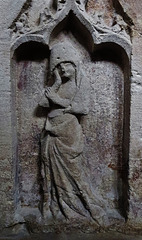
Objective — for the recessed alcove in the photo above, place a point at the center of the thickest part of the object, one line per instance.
(74, 25)
(31, 51)
(29, 69)
(113, 87)
(105, 69)
(112, 52)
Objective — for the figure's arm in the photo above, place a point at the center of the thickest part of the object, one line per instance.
(58, 80)
(76, 108)
(55, 98)
(44, 102)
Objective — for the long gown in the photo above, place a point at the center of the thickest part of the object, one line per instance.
(62, 154)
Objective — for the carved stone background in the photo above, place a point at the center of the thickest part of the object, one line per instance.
(112, 151)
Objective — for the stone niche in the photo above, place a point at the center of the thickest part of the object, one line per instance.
(70, 74)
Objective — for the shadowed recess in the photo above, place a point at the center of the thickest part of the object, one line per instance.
(78, 29)
(114, 53)
(32, 51)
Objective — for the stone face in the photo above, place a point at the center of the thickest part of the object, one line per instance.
(70, 154)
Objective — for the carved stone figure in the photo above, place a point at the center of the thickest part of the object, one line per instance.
(45, 16)
(62, 140)
(119, 26)
(22, 24)
(59, 4)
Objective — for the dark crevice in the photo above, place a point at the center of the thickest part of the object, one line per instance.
(126, 139)
(79, 117)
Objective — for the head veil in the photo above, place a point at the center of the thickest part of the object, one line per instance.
(65, 52)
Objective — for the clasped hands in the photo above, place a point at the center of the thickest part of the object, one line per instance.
(52, 95)
(50, 92)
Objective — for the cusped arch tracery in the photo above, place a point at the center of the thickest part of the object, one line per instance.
(75, 19)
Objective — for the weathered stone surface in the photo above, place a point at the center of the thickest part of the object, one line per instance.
(6, 166)
(74, 236)
(96, 116)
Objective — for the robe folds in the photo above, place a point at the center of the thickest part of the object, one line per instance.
(62, 149)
